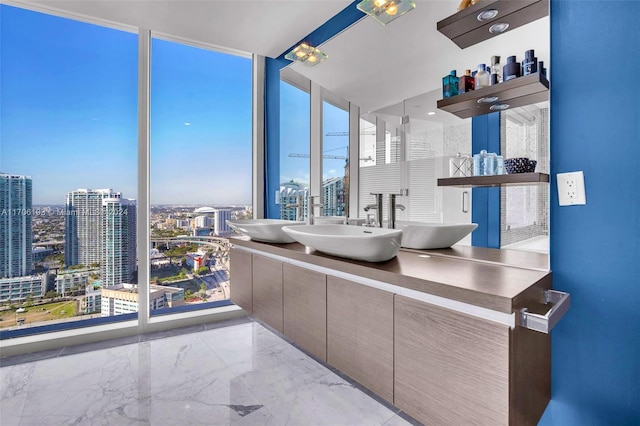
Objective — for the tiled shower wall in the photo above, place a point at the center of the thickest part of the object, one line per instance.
(525, 134)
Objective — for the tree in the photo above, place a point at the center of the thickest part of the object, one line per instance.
(203, 287)
(51, 294)
(28, 302)
(203, 270)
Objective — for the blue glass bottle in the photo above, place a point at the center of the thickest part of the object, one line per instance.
(450, 85)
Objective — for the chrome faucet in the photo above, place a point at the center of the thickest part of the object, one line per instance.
(311, 205)
(393, 206)
(299, 205)
(378, 208)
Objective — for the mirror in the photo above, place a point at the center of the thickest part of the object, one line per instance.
(396, 71)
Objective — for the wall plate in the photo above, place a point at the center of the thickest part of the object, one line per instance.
(571, 190)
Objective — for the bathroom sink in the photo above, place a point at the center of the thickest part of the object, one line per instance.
(264, 230)
(351, 242)
(424, 235)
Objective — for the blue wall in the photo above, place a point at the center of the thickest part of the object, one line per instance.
(595, 249)
(485, 202)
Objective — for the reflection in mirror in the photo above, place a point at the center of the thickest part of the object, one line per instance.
(410, 144)
(524, 221)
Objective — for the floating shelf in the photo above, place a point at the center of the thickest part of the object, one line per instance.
(465, 28)
(517, 92)
(496, 180)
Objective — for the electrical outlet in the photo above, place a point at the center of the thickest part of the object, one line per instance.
(571, 189)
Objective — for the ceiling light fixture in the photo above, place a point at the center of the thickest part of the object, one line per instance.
(306, 54)
(385, 11)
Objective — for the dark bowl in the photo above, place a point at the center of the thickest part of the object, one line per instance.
(531, 166)
(517, 165)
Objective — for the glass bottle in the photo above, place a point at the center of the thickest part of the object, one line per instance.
(530, 63)
(450, 85)
(496, 68)
(478, 163)
(482, 77)
(511, 70)
(467, 82)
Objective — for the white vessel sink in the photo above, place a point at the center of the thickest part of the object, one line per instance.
(264, 230)
(352, 242)
(423, 235)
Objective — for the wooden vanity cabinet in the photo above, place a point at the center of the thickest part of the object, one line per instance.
(305, 309)
(453, 369)
(360, 334)
(267, 291)
(241, 280)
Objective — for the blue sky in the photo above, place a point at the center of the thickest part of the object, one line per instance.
(68, 113)
(294, 135)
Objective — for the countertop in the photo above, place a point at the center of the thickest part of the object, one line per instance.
(483, 277)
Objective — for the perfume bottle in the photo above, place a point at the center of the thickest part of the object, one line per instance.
(467, 82)
(496, 76)
(450, 85)
(490, 163)
(541, 69)
(478, 163)
(511, 70)
(482, 77)
(529, 63)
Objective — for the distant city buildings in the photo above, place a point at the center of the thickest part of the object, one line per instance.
(100, 228)
(16, 235)
(19, 289)
(333, 197)
(221, 229)
(196, 260)
(123, 298)
(289, 193)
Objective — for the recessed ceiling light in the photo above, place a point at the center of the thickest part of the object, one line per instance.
(498, 28)
(487, 15)
(499, 107)
(431, 113)
(487, 100)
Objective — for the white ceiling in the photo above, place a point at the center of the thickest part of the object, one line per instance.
(375, 66)
(264, 27)
(370, 65)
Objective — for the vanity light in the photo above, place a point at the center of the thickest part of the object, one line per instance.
(498, 28)
(487, 15)
(431, 113)
(385, 11)
(306, 54)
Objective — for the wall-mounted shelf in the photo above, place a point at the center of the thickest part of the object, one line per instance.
(495, 180)
(465, 28)
(520, 91)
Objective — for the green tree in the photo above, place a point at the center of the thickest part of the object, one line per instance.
(203, 270)
(51, 294)
(203, 287)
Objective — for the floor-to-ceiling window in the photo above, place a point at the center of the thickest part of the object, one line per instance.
(201, 170)
(69, 172)
(294, 151)
(335, 160)
(68, 168)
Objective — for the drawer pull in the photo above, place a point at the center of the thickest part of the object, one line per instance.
(544, 323)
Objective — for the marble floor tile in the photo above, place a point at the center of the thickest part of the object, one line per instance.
(242, 374)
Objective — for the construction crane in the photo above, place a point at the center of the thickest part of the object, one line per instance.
(364, 132)
(331, 157)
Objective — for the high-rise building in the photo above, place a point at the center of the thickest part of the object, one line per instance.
(83, 225)
(118, 242)
(100, 228)
(333, 197)
(16, 233)
(220, 227)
